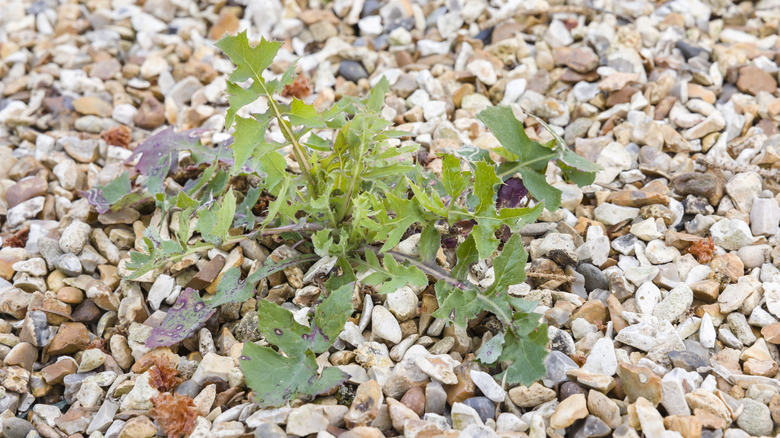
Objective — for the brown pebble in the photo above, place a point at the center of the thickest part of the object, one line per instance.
(70, 295)
(25, 189)
(414, 399)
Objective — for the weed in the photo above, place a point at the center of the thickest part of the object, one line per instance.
(342, 183)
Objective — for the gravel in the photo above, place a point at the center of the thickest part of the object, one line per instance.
(677, 102)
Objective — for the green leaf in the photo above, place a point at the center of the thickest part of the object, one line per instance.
(322, 242)
(456, 305)
(250, 61)
(376, 98)
(510, 132)
(538, 187)
(430, 201)
(225, 215)
(249, 134)
(527, 355)
(117, 188)
(277, 379)
(231, 289)
(274, 166)
(385, 171)
(157, 253)
(280, 328)
(576, 176)
(485, 181)
(405, 214)
(392, 276)
(238, 97)
(509, 266)
(157, 174)
(304, 115)
(330, 317)
(491, 350)
(115, 195)
(455, 181)
(578, 162)
(430, 242)
(244, 216)
(275, 205)
(484, 234)
(467, 255)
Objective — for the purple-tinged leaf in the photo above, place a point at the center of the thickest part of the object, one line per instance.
(491, 350)
(190, 311)
(115, 195)
(511, 193)
(163, 146)
(182, 320)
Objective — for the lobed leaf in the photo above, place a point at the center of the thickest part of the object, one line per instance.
(277, 379)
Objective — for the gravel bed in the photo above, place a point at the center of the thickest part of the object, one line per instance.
(659, 282)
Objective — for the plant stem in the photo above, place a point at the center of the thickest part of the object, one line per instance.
(300, 154)
(518, 166)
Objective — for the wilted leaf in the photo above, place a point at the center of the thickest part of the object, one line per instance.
(511, 193)
(186, 316)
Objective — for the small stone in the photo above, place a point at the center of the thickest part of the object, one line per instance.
(764, 217)
(754, 80)
(139, 398)
(414, 399)
(705, 185)
(306, 420)
(439, 367)
(464, 416)
(161, 289)
(676, 303)
(639, 382)
(226, 23)
(385, 326)
(24, 189)
(488, 385)
(92, 105)
(649, 418)
(568, 411)
(71, 337)
(365, 406)
(604, 408)
(24, 211)
(435, 398)
(581, 60)
(402, 303)
(22, 354)
(400, 414)
(755, 418)
(69, 264)
(352, 70)
(601, 359)
(212, 366)
(269, 430)
(483, 70)
(74, 237)
(16, 427)
(484, 407)
(731, 234)
(151, 114)
(610, 214)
